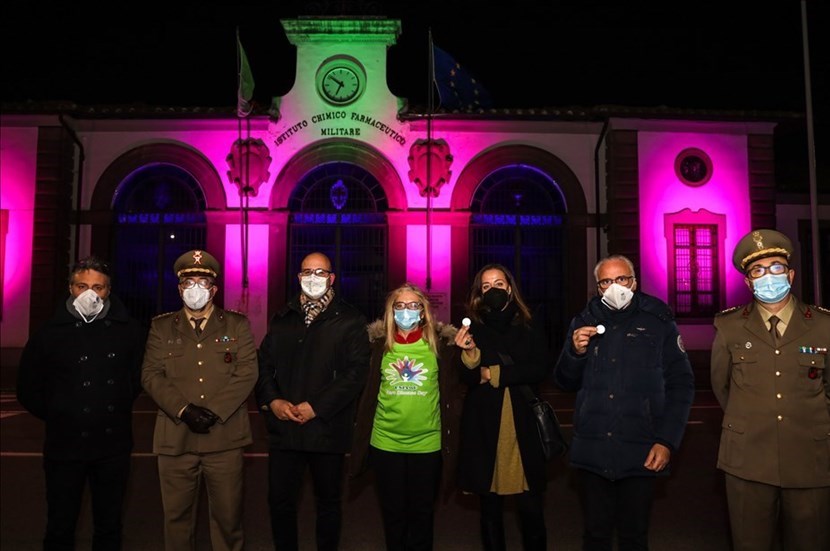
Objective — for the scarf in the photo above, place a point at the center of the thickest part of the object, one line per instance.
(313, 308)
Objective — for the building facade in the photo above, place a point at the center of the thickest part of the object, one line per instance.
(391, 194)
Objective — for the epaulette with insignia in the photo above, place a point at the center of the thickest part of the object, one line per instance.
(165, 314)
(729, 310)
(821, 309)
(237, 312)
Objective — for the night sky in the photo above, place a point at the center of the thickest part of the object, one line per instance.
(699, 55)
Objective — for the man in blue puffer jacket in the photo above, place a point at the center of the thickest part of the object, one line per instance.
(625, 358)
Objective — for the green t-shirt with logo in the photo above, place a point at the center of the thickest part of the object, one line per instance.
(408, 415)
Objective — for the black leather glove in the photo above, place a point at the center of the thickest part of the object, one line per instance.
(198, 419)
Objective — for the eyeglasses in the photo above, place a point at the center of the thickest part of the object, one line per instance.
(775, 269)
(319, 272)
(408, 306)
(191, 283)
(620, 280)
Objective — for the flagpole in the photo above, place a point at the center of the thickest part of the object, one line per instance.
(244, 199)
(428, 187)
(244, 204)
(811, 151)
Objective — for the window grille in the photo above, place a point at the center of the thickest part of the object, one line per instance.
(339, 209)
(518, 221)
(159, 215)
(696, 270)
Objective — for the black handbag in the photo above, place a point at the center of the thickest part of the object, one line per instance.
(547, 424)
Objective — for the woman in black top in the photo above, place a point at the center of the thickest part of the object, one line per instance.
(503, 360)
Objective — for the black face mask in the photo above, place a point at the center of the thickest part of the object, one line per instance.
(496, 299)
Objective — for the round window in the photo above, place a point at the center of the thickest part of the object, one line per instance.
(693, 166)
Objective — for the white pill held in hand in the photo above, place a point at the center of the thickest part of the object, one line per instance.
(466, 322)
(600, 329)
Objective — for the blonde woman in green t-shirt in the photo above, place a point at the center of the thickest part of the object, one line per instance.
(407, 418)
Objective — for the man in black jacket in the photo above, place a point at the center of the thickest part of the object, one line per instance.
(313, 364)
(80, 374)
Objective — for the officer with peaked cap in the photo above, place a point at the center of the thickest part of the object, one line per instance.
(200, 367)
(771, 376)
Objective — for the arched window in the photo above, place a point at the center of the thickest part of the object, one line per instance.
(339, 209)
(159, 214)
(518, 215)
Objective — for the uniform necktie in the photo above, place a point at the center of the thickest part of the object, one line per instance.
(197, 324)
(773, 329)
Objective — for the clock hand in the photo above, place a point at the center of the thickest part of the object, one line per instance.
(339, 82)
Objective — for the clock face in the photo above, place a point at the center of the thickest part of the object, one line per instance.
(340, 85)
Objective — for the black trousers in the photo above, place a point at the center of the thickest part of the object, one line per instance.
(621, 505)
(65, 484)
(407, 486)
(286, 469)
(530, 506)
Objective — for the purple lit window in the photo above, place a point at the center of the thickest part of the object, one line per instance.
(518, 218)
(159, 213)
(695, 270)
(339, 208)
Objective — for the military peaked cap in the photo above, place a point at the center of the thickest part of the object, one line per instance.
(196, 263)
(761, 244)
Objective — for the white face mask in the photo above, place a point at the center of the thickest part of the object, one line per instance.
(196, 298)
(89, 305)
(314, 286)
(617, 296)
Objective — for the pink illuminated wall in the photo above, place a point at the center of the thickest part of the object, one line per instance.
(18, 148)
(257, 301)
(662, 192)
(441, 266)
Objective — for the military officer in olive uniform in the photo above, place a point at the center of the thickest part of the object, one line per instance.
(769, 373)
(200, 366)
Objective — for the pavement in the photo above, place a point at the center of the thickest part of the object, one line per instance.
(689, 512)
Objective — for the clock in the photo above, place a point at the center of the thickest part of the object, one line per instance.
(340, 80)
(340, 85)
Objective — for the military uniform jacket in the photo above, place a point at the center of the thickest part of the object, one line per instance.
(776, 423)
(81, 379)
(216, 370)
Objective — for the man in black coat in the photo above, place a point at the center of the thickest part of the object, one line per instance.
(313, 364)
(80, 374)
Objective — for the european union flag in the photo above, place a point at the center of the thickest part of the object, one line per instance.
(457, 88)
